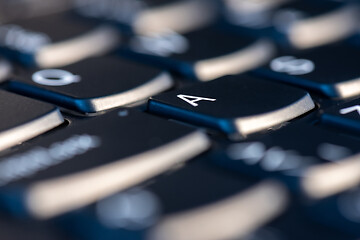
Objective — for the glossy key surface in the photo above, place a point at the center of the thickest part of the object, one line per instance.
(237, 105)
(93, 85)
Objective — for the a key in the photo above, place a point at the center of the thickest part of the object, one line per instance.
(206, 194)
(86, 162)
(203, 55)
(311, 70)
(297, 24)
(40, 42)
(23, 118)
(345, 116)
(94, 84)
(149, 16)
(339, 212)
(15, 10)
(237, 105)
(310, 160)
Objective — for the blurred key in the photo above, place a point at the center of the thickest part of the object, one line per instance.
(19, 9)
(331, 71)
(237, 105)
(338, 212)
(203, 55)
(149, 16)
(86, 162)
(300, 24)
(40, 42)
(94, 84)
(206, 203)
(316, 162)
(23, 118)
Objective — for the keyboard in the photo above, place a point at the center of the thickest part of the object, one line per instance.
(179, 119)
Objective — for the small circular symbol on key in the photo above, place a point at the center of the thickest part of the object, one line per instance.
(55, 77)
(292, 65)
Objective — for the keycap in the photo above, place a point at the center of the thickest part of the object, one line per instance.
(203, 55)
(94, 84)
(24, 118)
(344, 115)
(236, 105)
(310, 70)
(312, 161)
(149, 16)
(15, 10)
(55, 40)
(338, 212)
(86, 162)
(299, 24)
(163, 207)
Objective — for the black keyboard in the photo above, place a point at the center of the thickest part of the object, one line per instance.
(179, 119)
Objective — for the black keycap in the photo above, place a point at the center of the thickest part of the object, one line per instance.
(161, 206)
(310, 160)
(94, 84)
(86, 162)
(15, 10)
(23, 118)
(338, 212)
(299, 24)
(204, 54)
(345, 115)
(311, 70)
(236, 105)
(38, 41)
(149, 16)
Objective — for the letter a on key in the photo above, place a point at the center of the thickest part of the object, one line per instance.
(193, 99)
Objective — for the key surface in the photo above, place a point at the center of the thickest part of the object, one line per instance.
(86, 162)
(339, 212)
(149, 16)
(204, 54)
(22, 118)
(197, 185)
(237, 105)
(94, 84)
(293, 23)
(308, 159)
(40, 42)
(310, 70)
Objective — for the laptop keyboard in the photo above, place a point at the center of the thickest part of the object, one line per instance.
(179, 119)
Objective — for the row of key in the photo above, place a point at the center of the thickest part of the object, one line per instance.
(265, 89)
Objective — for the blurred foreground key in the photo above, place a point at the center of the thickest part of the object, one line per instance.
(84, 163)
(23, 118)
(236, 105)
(206, 204)
(310, 160)
(94, 84)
